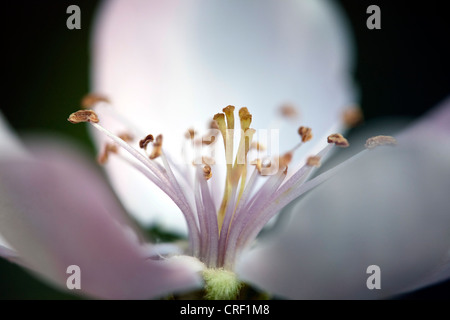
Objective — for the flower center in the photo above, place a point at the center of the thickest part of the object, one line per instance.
(220, 230)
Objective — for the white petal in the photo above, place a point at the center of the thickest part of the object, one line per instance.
(170, 65)
(10, 144)
(57, 211)
(389, 208)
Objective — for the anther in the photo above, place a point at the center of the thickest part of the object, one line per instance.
(305, 133)
(207, 173)
(285, 159)
(158, 141)
(127, 137)
(213, 125)
(377, 141)
(144, 142)
(91, 99)
(157, 147)
(103, 157)
(313, 161)
(288, 111)
(190, 134)
(338, 140)
(352, 117)
(207, 140)
(83, 116)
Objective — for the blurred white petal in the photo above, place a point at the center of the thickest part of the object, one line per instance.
(10, 145)
(170, 65)
(388, 208)
(434, 127)
(56, 211)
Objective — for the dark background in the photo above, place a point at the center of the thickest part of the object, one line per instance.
(402, 69)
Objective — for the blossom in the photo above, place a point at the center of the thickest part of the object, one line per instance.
(58, 212)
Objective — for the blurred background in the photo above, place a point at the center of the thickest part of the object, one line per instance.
(402, 70)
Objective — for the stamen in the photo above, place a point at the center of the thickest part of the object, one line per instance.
(338, 140)
(190, 134)
(127, 137)
(377, 141)
(144, 142)
(284, 160)
(91, 99)
(207, 173)
(109, 148)
(305, 133)
(165, 180)
(313, 161)
(213, 125)
(208, 140)
(288, 111)
(352, 117)
(216, 235)
(157, 147)
(83, 116)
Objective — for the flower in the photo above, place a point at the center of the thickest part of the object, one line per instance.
(58, 213)
(219, 232)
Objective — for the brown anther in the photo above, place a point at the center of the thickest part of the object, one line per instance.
(338, 140)
(313, 161)
(285, 159)
(207, 173)
(213, 125)
(103, 157)
(305, 133)
(83, 116)
(190, 134)
(377, 141)
(91, 99)
(257, 146)
(127, 137)
(352, 116)
(156, 152)
(111, 148)
(158, 141)
(157, 147)
(144, 142)
(207, 142)
(288, 111)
